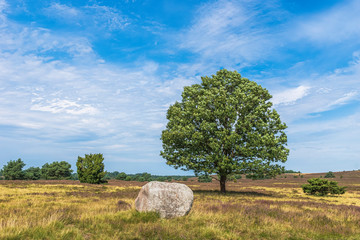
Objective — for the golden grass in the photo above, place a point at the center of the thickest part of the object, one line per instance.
(266, 209)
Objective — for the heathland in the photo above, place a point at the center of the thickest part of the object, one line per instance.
(251, 209)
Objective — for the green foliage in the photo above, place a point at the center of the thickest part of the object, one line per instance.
(258, 176)
(225, 125)
(13, 170)
(56, 170)
(291, 171)
(330, 174)
(32, 173)
(111, 175)
(74, 176)
(90, 169)
(161, 179)
(322, 187)
(184, 178)
(237, 176)
(128, 178)
(121, 176)
(204, 178)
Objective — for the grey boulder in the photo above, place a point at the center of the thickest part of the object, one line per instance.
(168, 199)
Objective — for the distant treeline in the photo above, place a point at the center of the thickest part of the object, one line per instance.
(143, 177)
(13, 170)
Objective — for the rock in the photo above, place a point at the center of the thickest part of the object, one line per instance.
(168, 199)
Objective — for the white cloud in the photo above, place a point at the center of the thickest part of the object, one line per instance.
(157, 125)
(332, 26)
(343, 100)
(63, 106)
(290, 96)
(232, 32)
(62, 11)
(89, 17)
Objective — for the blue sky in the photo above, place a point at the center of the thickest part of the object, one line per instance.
(93, 76)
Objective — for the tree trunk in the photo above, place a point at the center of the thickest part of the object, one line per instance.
(223, 183)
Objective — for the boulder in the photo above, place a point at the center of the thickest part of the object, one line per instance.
(168, 199)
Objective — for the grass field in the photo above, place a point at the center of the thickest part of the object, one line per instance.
(262, 209)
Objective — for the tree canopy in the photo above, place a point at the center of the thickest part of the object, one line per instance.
(13, 170)
(225, 125)
(90, 168)
(56, 170)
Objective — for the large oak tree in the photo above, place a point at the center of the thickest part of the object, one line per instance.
(225, 125)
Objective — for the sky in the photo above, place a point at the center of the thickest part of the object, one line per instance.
(79, 77)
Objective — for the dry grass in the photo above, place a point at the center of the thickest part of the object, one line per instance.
(263, 209)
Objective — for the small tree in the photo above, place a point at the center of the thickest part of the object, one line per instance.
(90, 169)
(330, 174)
(56, 170)
(121, 176)
(13, 170)
(322, 187)
(32, 173)
(225, 125)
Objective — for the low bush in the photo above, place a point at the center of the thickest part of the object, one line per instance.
(329, 175)
(322, 187)
(204, 178)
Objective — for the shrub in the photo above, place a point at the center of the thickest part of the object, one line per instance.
(257, 176)
(91, 168)
(322, 187)
(204, 178)
(121, 176)
(56, 170)
(128, 178)
(13, 170)
(329, 175)
(161, 179)
(238, 176)
(32, 173)
(184, 178)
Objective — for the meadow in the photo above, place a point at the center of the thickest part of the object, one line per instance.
(261, 209)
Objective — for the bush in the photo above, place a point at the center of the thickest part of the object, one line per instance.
(91, 168)
(329, 175)
(121, 176)
(257, 176)
(128, 178)
(322, 187)
(161, 179)
(32, 173)
(238, 176)
(204, 178)
(13, 170)
(56, 170)
(184, 179)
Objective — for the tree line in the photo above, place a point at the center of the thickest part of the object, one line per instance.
(90, 169)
